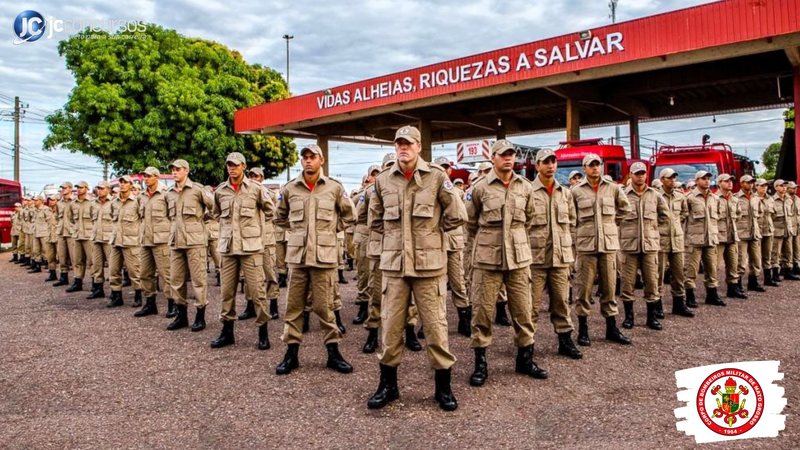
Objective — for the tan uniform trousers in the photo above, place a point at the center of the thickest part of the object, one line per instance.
(455, 276)
(21, 247)
(15, 245)
(154, 262)
(430, 296)
(83, 257)
(749, 258)
(766, 252)
(485, 287)
(320, 285)
(648, 264)
(590, 265)
(674, 263)
(28, 244)
(730, 256)
(39, 244)
(692, 265)
(66, 253)
(557, 281)
(362, 271)
(273, 291)
(280, 258)
(183, 261)
(782, 252)
(130, 256)
(252, 267)
(375, 294)
(796, 248)
(213, 252)
(50, 255)
(101, 256)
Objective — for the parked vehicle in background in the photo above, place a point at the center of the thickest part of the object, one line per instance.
(10, 193)
(715, 158)
(570, 157)
(166, 179)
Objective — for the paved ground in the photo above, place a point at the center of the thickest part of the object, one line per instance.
(74, 374)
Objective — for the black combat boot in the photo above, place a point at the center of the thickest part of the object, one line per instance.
(788, 275)
(336, 360)
(421, 333)
(126, 279)
(263, 337)
(740, 292)
(199, 319)
(712, 297)
(342, 279)
(219, 283)
(796, 269)
(22, 260)
(27, 263)
(526, 365)
(613, 334)
(14, 258)
(52, 276)
(77, 285)
(137, 298)
(652, 320)
(387, 388)
(444, 395)
(731, 293)
(362, 315)
(628, 322)
(181, 319)
(115, 300)
(97, 291)
(411, 339)
(281, 280)
(63, 280)
(776, 274)
(566, 347)
(659, 310)
(481, 372)
(752, 284)
(249, 311)
(679, 307)
(290, 360)
(350, 263)
(306, 320)
(691, 301)
(339, 322)
(768, 281)
(500, 316)
(465, 321)
(226, 336)
(36, 267)
(273, 308)
(372, 341)
(149, 307)
(172, 311)
(583, 331)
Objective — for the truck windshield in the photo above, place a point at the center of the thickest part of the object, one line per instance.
(686, 172)
(563, 170)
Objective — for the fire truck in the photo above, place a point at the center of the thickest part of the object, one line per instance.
(715, 158)
(10, 193)
(570, 157)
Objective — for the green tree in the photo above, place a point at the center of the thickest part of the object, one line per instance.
(770, 160)
(148, 97)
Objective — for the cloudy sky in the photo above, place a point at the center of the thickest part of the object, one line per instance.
(334, 43)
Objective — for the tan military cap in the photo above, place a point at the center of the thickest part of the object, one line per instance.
(180, 163)
(152, 171)
(408, 133)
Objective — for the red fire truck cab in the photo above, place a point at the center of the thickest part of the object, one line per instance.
(570, 157)
(714, 158)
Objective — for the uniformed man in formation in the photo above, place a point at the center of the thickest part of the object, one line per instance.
(499, 240)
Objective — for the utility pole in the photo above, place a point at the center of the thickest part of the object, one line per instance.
(105, 170)
(288, 37)
(613, 5)
(16, 137)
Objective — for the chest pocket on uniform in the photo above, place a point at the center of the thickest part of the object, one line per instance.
(519, 208)
(296, 210)
(585, 208)
(563, 212)
(698, 210)
(493, 210)
(225, 208)
(391, 207)
(325, 210)
(423, 204)
(609, 206)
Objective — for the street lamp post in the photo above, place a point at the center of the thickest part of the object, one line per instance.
(288, 37)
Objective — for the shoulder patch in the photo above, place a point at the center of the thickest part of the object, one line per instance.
(468, 197)
(448, 184)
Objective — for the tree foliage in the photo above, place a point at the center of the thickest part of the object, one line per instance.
(770, 159)
(146, 98)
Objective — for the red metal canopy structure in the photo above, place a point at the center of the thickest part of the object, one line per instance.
(728, 56)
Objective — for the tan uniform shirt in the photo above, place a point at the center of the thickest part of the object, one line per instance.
(127, 222)
(103, 221)
(728, 215)
(795, 214)
(454, 239)
(670, 228)
(242, 214)
(16, 222)
(553, 226)
(42, 219)
(639, 229)
(782, 219)
(362, 212)
(765, 224)
(701, 224)
(65, 226)
(375, 242)
(82, 214)
(500, 217)
(268, 236)
(598, 212)
(750, 212)
(311, 218)
(413, 216)
(155, 220)
(187, 207)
